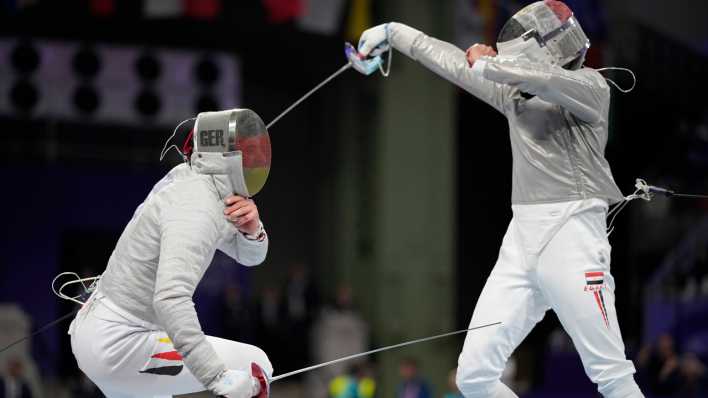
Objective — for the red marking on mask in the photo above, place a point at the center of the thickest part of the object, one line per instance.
(255, 150)
(188, 145)
(562, 11)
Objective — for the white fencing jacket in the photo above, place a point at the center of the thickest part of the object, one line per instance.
(165, 250)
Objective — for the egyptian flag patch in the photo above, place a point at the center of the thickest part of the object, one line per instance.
(165, 363)
(594, 278)
(594, 281)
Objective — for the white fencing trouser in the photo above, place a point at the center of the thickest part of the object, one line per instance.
(554, 256)
(126, 357)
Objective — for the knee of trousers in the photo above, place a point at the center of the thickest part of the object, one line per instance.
(472, 387)
(479, 374)
(622, 387)
(483, 360)
(612, 377)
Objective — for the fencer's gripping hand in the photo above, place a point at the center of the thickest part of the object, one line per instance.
(243, 214)
(236, 384)
(374, 41)
(478, 51)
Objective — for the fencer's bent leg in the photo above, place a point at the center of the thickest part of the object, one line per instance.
(508, 296)
(574, 275)
(125, 360)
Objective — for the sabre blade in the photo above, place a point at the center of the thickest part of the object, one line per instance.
(390, 347)
(688, 195)
(309, 93)
(38, 331)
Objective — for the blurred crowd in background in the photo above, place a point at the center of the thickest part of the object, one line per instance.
(309, 313)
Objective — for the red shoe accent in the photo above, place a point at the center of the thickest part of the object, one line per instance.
(259, 374)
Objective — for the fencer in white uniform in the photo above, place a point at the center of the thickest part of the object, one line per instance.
(555, 254)
(138, 335)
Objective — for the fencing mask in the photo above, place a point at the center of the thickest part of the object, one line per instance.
(233, 142)
(545, 31)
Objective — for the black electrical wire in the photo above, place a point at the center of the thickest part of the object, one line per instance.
(688, 195)
(40, 330)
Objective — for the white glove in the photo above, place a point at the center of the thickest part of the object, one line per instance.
(236, 384)
(374, 41)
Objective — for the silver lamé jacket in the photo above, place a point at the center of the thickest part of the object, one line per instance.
(558, 136)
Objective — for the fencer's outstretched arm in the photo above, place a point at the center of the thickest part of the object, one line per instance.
(248, 252)
(446, 60)
(583, 92)
(189, 235)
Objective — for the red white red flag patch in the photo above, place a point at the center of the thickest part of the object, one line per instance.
(594, 282)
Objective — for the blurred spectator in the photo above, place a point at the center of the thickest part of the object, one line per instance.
(239, 322)
(559, 341)
(301, 303)
(338, 331)
(412, 384)
(694, 377)
(15, 323)
(269, 311)
(356, 383)
(13, 383)
(453, 392)
(271, 333)
(301, 297)
(344, 386)
(661, 365)
(84, 388)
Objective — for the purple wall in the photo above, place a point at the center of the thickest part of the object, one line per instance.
(41, 204)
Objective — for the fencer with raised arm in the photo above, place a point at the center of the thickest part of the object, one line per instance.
(555, 253)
